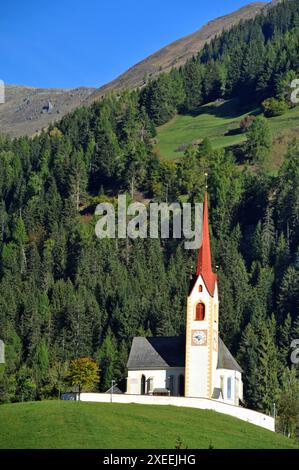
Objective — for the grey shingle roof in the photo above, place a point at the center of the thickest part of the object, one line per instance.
(169, 351)
(226, 359)
(157, 353)
(115, 390)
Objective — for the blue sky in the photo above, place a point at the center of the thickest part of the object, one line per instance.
(88, 43)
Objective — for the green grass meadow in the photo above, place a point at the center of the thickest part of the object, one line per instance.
(77, 425)
(217, 121)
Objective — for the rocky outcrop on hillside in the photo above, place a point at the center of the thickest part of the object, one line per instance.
(28, 110)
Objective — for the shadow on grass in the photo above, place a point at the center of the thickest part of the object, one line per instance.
(229, 109)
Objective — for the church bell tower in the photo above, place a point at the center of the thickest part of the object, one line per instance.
(202, 322)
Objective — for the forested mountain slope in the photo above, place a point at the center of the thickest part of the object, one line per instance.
(64, 293)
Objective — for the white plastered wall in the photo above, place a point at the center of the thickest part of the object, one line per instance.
(236, 389)
(254, 417)
(159, 378)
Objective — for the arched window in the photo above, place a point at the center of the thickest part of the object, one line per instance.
(200, 288)
(142, 385)
(200, 312)
(181, 385)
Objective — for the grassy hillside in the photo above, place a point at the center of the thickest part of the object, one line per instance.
(220, 123)
(56, 424)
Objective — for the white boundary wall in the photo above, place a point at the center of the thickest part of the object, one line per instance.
(253, 417)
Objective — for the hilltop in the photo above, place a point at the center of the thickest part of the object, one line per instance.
(177, 53)
(22, 114)
(58, 425)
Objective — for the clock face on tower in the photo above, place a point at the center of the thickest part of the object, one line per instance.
(199, 337)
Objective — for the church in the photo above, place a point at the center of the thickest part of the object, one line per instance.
(197, 365)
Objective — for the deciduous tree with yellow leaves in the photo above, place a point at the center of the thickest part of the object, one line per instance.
(84, 373)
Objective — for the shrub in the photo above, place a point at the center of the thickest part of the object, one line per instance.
(272, 107)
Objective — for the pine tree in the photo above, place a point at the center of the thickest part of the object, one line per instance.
(40, 365)
(20, 237)
(288, 403)
(289, 293)
(284, 342)
(107, 358)
(267, 367)
(78, 179)
(267, 237)
(193, 82)
(282, 256)
(248, 357)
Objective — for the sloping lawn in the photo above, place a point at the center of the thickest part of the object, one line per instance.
(60, 425)
(217, 121)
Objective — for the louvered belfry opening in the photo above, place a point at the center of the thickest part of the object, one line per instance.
(200, 312)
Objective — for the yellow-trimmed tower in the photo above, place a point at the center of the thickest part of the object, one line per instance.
(202, 322)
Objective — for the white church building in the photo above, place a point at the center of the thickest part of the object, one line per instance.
(197, 365)
(195, 370)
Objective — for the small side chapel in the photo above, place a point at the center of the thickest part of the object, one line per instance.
(197, 365)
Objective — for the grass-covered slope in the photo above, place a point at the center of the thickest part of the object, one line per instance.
(220, 123)
(56, 424)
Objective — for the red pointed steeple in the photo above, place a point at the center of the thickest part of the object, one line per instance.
(204, 263)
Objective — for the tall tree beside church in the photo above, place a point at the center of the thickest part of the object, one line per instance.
(267, 385)
(234, 288)
(107, 358)
(248, 358)
(288, 403)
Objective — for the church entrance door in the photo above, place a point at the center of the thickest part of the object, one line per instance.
(142, 388)
(181, 385)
